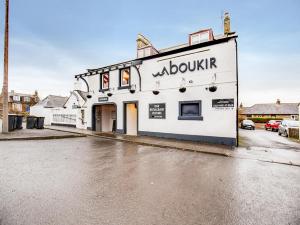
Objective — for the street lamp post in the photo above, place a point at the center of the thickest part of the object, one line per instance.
(5, 76)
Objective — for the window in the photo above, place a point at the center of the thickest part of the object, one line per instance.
(16, 98)
(104, 81)
(26, 99)
(125, 78)
(190, 110)
(201, 36)
(143, 52)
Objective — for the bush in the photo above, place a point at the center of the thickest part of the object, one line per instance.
(263, 119)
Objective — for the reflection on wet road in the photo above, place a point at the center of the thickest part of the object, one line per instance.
(96, 181)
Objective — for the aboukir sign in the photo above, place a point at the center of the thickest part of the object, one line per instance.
(195, 65)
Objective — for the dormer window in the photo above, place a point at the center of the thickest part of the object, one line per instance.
(124, 78)
(201, 36)
(104, 81)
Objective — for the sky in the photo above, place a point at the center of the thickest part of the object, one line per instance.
(53, 40)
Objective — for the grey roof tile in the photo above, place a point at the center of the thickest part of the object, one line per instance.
(276, 109)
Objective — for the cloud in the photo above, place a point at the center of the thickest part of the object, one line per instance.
(36, 64)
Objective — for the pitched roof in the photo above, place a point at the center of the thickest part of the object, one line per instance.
(53, 101)
(272, 108)
(83, 94)
(12, 93)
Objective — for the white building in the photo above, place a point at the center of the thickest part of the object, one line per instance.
(187, 92)
(63, 111)
(47, 107)
(74, 108)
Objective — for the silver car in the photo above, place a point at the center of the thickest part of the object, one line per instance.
(285, 125)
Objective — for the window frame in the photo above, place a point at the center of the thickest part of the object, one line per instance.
(101, 82)
(120, 79)
(199, 117)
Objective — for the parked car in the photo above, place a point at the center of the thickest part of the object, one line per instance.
(285, 125)
(273, 125)
(248, 124)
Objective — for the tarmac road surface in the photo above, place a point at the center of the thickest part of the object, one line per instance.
(267, 139)
(90, 180)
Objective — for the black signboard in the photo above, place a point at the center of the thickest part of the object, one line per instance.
(157, 111)
(102, 99)
(223, 103)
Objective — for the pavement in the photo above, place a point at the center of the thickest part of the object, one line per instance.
(93, 180)
(153, 141)
(249, 145)
(37, 134)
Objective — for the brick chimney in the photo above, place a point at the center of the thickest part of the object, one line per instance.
(226, 23)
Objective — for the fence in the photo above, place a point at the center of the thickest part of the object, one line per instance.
(64, 118)
(294, 133)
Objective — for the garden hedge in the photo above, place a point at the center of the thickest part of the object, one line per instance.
(263, 119)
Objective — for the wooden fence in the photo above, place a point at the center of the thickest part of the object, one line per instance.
(294, 133)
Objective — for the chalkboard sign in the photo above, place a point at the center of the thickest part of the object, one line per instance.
(157, 111)
(223, 103)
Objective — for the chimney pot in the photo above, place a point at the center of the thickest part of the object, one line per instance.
(226, 23)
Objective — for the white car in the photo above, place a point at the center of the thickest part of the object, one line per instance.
(285, 125)
(248, 124)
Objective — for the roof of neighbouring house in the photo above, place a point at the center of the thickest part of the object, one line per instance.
(12, 93)
(53, 101)
(272, 108)
(83, 94)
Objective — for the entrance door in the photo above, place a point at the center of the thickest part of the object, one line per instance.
(105, 118)
(131, 120)
(98, 116)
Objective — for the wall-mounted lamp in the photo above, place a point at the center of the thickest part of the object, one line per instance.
(89, 95)
(212, 87)
(109, 94)
(182, 88)
(132, 89)
(156, 90)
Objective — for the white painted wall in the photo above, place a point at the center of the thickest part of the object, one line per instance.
(67, 113)
(39, 110)
(216, 122)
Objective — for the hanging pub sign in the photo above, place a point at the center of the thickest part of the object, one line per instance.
(157, 111)
(223, 103)
(102, 99)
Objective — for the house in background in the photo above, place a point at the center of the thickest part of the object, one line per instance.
(19, 103)
(271, 110)
(47, 107)
(63, 111)
(76, 106)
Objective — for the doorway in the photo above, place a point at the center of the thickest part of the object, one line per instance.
(131, 118)
(105, 118)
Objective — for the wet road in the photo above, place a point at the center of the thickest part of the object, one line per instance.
(267, 139)
(95, 181)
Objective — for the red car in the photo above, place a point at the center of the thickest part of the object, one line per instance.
(273, 125)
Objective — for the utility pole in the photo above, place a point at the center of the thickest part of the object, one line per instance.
(5, 76)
